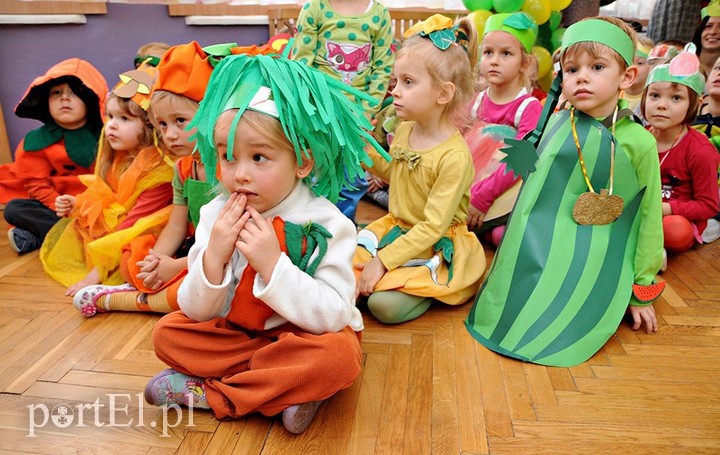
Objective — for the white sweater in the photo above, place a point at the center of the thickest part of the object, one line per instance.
(322, 303)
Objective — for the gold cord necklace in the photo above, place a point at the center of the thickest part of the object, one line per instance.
(592, 208)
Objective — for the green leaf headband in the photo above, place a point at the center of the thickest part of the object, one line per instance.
(603, 32)
(683, 69)
(520, 25)
(440, 30)
(316, 115)
(712, 10)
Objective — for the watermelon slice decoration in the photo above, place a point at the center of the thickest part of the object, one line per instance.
(646, 294)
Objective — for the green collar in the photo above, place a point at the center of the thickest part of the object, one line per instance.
(81, 144)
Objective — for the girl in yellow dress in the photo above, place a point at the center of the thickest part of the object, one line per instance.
(128, 195)
(422, 250)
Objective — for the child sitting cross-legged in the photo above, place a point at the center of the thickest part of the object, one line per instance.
(267, 319)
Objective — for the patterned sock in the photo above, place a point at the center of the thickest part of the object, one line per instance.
(138, 301)
(171, 387)
(161, 302)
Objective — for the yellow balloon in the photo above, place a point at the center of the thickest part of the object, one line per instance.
(544, 60)
(480, 16)
(538, 10)
(558, 5)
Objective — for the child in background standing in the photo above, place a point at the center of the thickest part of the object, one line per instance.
(268, 322)
(572, 259)
(129, 194)
(688, 162)
(351, 41)
(505, 62)
(70, 100)
(150, 265)
(422, 250)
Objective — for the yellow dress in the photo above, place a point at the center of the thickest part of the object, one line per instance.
(88, 238)
(424, 241)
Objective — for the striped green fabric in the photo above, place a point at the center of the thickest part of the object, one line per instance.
(556, 290)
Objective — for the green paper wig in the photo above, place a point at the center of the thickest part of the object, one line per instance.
(316, 115)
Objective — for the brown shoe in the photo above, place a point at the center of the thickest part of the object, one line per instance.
(297, 418)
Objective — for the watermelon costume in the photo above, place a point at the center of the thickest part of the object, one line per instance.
(557, 290)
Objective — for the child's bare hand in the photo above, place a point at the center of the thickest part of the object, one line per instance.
(157, 271)
(64, 204)
(259, 244)
(375, 183)
(227, 227)
(372, 272)
(644, 314)
(475, 217)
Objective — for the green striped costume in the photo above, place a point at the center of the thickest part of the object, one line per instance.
(556, 290)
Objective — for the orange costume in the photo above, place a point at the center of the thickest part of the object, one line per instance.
(49, 159)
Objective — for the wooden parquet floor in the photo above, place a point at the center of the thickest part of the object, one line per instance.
(74, 385)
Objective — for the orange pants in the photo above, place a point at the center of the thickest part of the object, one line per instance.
(265, 372)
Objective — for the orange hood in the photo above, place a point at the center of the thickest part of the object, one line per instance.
(85, 80)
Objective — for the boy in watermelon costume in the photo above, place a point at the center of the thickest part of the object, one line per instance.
(570, 263)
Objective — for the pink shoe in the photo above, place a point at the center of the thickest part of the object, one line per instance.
(86, 298)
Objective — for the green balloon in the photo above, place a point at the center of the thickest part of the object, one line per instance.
(557, 37)
(508, 6)
(555, 19)
(474, 5)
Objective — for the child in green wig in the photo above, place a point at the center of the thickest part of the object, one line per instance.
(584, 239)
(267, 319)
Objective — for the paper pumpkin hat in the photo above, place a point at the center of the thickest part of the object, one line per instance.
(603, 32)
(184, 70)
(663, 51)
(316, 115)
(712, 10)
(520, 25)
(683, 69)
(440, 30)
(136, 85)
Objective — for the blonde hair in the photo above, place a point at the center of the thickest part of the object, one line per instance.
(106, 154)
(151, 49)
(597, 49)
(455, 64)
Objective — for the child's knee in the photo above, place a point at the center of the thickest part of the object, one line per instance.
(394, 307)
(678, 233)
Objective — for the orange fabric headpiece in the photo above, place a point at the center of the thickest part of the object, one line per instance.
(184, 70)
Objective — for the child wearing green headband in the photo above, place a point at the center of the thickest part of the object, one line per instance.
(267, 319)
(505, 63)
(688, 161)
(633, 94)
(584, 239)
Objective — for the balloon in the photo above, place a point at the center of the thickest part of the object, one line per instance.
(544, 60)
(557, 36)
(508, 6)
(480, 17)
(546, 81)
(474, 5)
(555, 19)
(558, 5)
(538, 10)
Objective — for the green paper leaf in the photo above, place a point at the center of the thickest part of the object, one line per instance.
(519, 21)
(521, 157)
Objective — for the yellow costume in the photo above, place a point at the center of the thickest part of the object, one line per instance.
(88, 238)
(424, 241)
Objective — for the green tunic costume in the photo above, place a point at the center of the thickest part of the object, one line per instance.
(557, 290)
